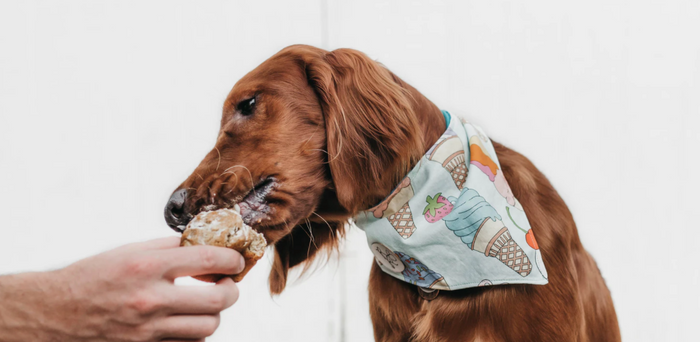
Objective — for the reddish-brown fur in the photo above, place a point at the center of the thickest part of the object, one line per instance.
(339, 131)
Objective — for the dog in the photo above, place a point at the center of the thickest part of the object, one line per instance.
(311, 137)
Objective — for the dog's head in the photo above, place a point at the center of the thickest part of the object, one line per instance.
(307, 139)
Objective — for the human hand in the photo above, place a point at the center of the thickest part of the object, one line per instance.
(126, 294)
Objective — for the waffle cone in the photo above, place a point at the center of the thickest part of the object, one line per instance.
(494, 240)
(458, 169)
(402, 221)
(450, 153)
(397, 198)
(507, 251)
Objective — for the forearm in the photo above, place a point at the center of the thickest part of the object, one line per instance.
(24, 304)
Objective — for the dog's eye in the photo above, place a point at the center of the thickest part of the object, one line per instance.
(247, 107)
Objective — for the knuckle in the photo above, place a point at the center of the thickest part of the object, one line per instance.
(207, 258)
(143, 333)
(234, 295)
(218, 302)
(209, 328)
(229, 291)
(239, 263)
(142, 266)
(143, 303)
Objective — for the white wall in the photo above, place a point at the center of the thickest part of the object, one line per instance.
(106, 106)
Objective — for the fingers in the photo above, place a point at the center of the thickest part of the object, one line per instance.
(184, 327)
(198, 260)
(201, 299)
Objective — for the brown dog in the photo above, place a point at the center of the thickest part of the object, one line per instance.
(311, 137)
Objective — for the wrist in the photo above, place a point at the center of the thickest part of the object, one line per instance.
(27, 300)
(17, 318)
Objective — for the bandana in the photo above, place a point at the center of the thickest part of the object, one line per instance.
(453, 222)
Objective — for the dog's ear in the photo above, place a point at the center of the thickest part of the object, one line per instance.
(372, 132)
(302, 245)
(373, 139)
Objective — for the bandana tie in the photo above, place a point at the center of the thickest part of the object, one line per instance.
(453, 222)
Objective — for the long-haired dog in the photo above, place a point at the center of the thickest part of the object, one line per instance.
(314, 136)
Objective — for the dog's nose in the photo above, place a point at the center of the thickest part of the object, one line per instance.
(175, 214)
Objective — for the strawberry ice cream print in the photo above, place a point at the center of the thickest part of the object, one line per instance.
(396, 209)
(449, 152)
(482, 160)
(437, 208)
(418, 274)
(480, 227)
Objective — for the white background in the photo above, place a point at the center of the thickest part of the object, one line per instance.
(105, 107)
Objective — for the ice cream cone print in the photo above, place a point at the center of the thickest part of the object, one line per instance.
(450, 153)
(494, 240)
(402, 221)
(479, 226)
(396, 209)
(481, 158)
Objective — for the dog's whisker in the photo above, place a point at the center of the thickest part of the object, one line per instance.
(310, 234)
(328, 224)
(219, 162)
(291, 235)
(308, 225)
(234, 186)
(308, 250)
(252, 183)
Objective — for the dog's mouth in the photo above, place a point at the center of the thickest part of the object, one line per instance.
(254, 206)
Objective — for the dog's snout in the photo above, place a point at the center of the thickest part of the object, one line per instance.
(175, 214)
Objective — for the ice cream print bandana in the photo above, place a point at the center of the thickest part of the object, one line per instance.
(453, 222)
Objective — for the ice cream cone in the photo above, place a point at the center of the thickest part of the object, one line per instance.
(450, 153)
(494, 240)
(395, 208)
(402, 221)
